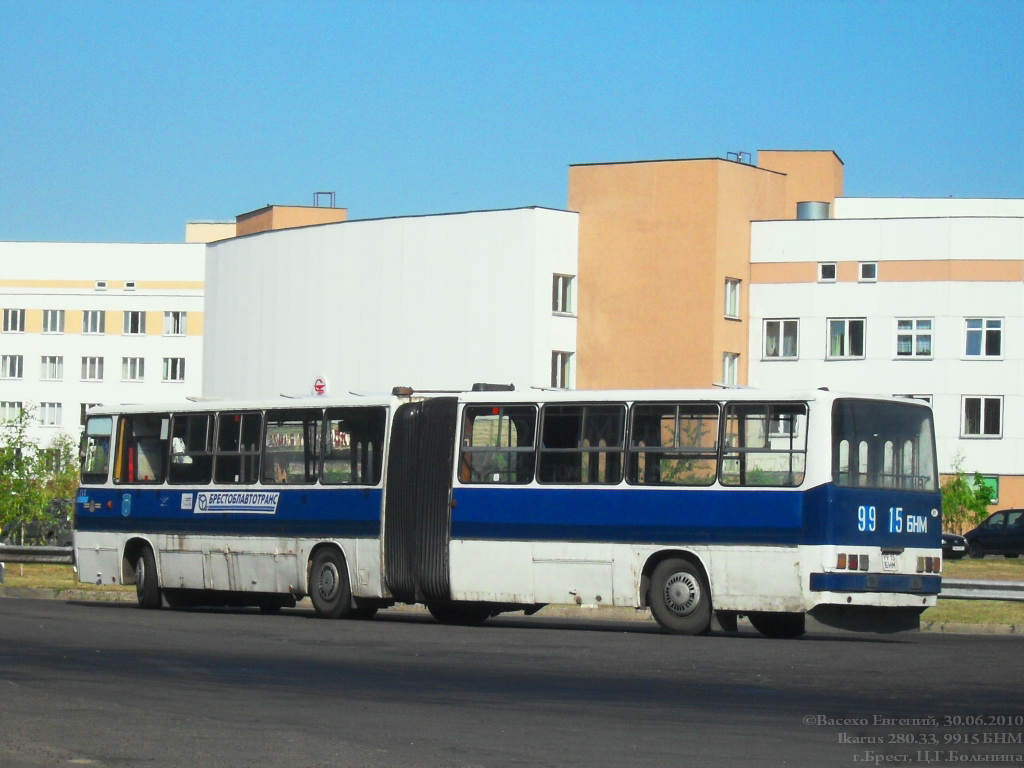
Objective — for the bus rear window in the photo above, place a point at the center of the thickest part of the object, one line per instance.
(883, 445)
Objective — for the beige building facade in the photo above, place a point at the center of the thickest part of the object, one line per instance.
(664, 261)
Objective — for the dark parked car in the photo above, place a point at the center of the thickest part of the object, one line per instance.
(1001, 534)
(954, 546)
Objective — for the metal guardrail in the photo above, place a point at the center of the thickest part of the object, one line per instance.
(973, 589)
(44, 555)
(952, 589)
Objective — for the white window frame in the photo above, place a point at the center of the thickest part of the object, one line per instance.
(825, 267)
(14, 321)
(134, 323)
(94, 322)
(92, 369)
(563, 294)
(12, 366)
(175, 323)
(51, 368)
(53, 321)
(562, 369)
(985, 402)
(984, 327)
(847, 338)
(133, 368)
(730, 368)
(867, 272)
(50, 414)
(129, 285)
(174, 369)
(101, 285)
(733, 294)
(914, 333)
(778, 336)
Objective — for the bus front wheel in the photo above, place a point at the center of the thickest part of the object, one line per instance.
(147, 585)
(329, 589)
(680, 599)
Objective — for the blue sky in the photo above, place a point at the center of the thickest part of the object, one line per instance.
(121, 121)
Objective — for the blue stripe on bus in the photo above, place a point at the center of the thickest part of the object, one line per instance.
(875, 582)
(333, 513)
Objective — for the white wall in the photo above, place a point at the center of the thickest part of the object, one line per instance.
(907, 207)
(431, 302)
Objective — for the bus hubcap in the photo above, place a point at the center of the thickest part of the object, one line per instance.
(328, 581)
(682, 593)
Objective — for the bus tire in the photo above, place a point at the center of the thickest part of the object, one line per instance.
(329, 589)
(147, 583)
(362, 610)
(778, 625)
(679, 598)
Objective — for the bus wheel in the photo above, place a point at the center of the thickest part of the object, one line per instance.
(782, 625)
(147, 586)
(328, 585)
(680, 600)
(363, 610)
(465, 613)
(976, 551)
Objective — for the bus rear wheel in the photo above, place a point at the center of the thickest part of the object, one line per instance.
(780, 625)
(679, 598)
(329, 589)
(147, 584)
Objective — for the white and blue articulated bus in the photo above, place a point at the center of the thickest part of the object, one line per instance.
(797, 510)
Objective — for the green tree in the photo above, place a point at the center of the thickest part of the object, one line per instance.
(33, 478)
(965, 500)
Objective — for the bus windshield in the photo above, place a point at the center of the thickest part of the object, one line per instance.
(883, 445)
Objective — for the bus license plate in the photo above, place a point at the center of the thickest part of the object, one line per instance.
(888, 561)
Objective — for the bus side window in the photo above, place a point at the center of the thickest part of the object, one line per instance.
(582, 444)
(238, 447)
(354, 445)
(291, 446)
(191, 449)
(498, 444)
(142, 448)
(96, 449)
(674, 444)
(765, 444)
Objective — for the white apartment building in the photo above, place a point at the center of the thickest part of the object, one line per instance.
(89, 323)
(903, 297)
(432, 302)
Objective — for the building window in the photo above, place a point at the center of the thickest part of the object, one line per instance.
(845, 338)
(133, 368)
(982, 417)
(561, 370)
(50, 414)
(129, 285)
(11, 366)
(174, 369)
(780, 339)
(563, 302)
(174, 323)
(84, 410)
(53, 321)
(51, 368)
(92, 369)
(101, 285)
(827, 272)
(730, 366)
(134, 323)
(10, 410)
(868, 271)
(94, 321)
(984, 337)
(914, 337)
(14, 321)
(732, 297)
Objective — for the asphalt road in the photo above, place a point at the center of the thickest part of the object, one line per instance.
(107, 684)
